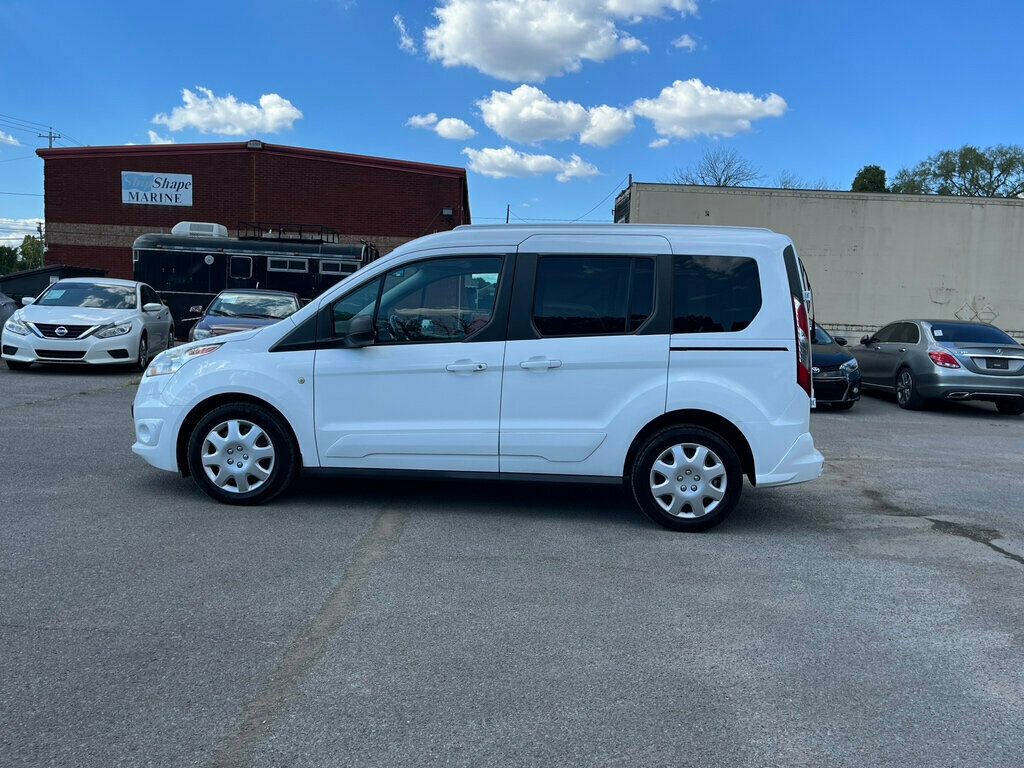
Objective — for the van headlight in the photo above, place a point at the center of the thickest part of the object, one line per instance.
(169, 362)
(14, 325)
(115, 330)
(849, 366)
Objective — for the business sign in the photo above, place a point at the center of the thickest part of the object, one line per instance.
(156, 188)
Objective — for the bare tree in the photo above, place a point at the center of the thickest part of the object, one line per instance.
(719, 167)
(789, 180)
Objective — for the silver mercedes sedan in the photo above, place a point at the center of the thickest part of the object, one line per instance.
(922, 360)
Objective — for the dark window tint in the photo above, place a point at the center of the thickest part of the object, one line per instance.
(240, 267)
(715, 293)
(149, 296)
(592, 295)
(286, 265)
(970, 333)
(821, 336)
(361, 301)
(907, 333)
(887, 334)
(438, 300)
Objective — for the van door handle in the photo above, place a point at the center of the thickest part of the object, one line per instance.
(540, 365)
(903, 349)
(470, 367)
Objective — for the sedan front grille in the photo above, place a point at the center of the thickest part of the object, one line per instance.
(49, 330)
(60, 354)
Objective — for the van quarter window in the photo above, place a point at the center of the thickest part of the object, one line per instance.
(592, 295)
(715, 293)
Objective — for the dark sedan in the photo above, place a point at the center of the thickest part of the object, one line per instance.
(240, 310)
(834, 370)
(7, 308)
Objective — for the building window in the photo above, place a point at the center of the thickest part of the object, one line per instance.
(330, 267)
(287, 265)
(240, 267)
(592, 295)
(715, 294)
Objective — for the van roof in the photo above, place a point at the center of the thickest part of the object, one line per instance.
(510, 235)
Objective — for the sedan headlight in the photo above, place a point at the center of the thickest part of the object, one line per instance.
(169, 362)
(114, 330)
(201, 333)
(849, 366)
(14, 325)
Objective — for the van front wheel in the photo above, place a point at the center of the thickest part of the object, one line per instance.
(687, 478)
(242, 454)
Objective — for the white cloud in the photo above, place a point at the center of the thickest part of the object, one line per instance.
(453, 128)
(659, 144)
(686, 42)
(508, 163)
(405, 42)
(13, 231)
(6, 138)
(689, 108)
(446, 127)
(606, 126)
(534, 39)
(156, 138)
(529, 115)
(422, 121)
(227, 116)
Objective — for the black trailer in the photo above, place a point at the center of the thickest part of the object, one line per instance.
(32, 282)
(188, 270)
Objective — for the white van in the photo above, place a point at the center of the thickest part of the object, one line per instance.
(675, 359)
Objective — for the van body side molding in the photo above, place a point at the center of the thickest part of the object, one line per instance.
(730, 349)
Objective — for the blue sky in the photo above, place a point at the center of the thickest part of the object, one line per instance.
(817, 89)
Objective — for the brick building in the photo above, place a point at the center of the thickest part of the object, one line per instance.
(99, 199)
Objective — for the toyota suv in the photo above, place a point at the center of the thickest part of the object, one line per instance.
(673, 359)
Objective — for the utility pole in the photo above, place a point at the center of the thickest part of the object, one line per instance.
(50, 136)
(508, 211)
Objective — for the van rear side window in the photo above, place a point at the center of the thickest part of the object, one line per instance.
(715, 293)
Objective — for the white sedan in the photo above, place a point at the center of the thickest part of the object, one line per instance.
(88, 320)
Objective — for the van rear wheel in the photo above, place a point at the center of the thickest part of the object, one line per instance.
(687, 478)
(242, 454)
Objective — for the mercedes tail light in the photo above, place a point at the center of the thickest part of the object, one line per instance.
(943, 359)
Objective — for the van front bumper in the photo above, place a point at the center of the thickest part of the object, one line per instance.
(156, 425)
(802, 462)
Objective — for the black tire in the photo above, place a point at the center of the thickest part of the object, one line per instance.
(907, 396)
(16, 365)
(283, 467)
(643, 473)
(1009, 407)
(843, 406)
(142, 361)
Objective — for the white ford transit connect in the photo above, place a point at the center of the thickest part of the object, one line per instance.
(675, 359)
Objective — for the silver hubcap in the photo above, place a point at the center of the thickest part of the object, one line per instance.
(238, 456)
(904, 386)
(688, 480)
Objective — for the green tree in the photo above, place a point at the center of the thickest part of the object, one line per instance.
(870, 178)
(31, 252)
(969, 171)
(8, 259)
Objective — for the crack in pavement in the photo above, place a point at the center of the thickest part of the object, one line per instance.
(372, 549)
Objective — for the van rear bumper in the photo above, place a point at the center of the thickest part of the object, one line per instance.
(801, 463)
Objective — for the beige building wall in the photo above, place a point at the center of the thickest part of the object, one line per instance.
(874, 258)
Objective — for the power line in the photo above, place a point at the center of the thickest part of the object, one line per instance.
(601, 201)
(35, 125)
(23, 194)
(12, 159)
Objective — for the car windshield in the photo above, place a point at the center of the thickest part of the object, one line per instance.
(821, 335)
(970, 333)
(92, 295)
(258, 305)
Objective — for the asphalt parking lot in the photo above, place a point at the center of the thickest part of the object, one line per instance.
(875, 617)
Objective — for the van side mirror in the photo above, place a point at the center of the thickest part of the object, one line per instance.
(361, 332)
(26, 300)
(865, 340)
(840, 340)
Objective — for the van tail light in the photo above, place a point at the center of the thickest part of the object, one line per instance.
(803, 346)
(943, 359)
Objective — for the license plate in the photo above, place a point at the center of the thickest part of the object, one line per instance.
(995, 364)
